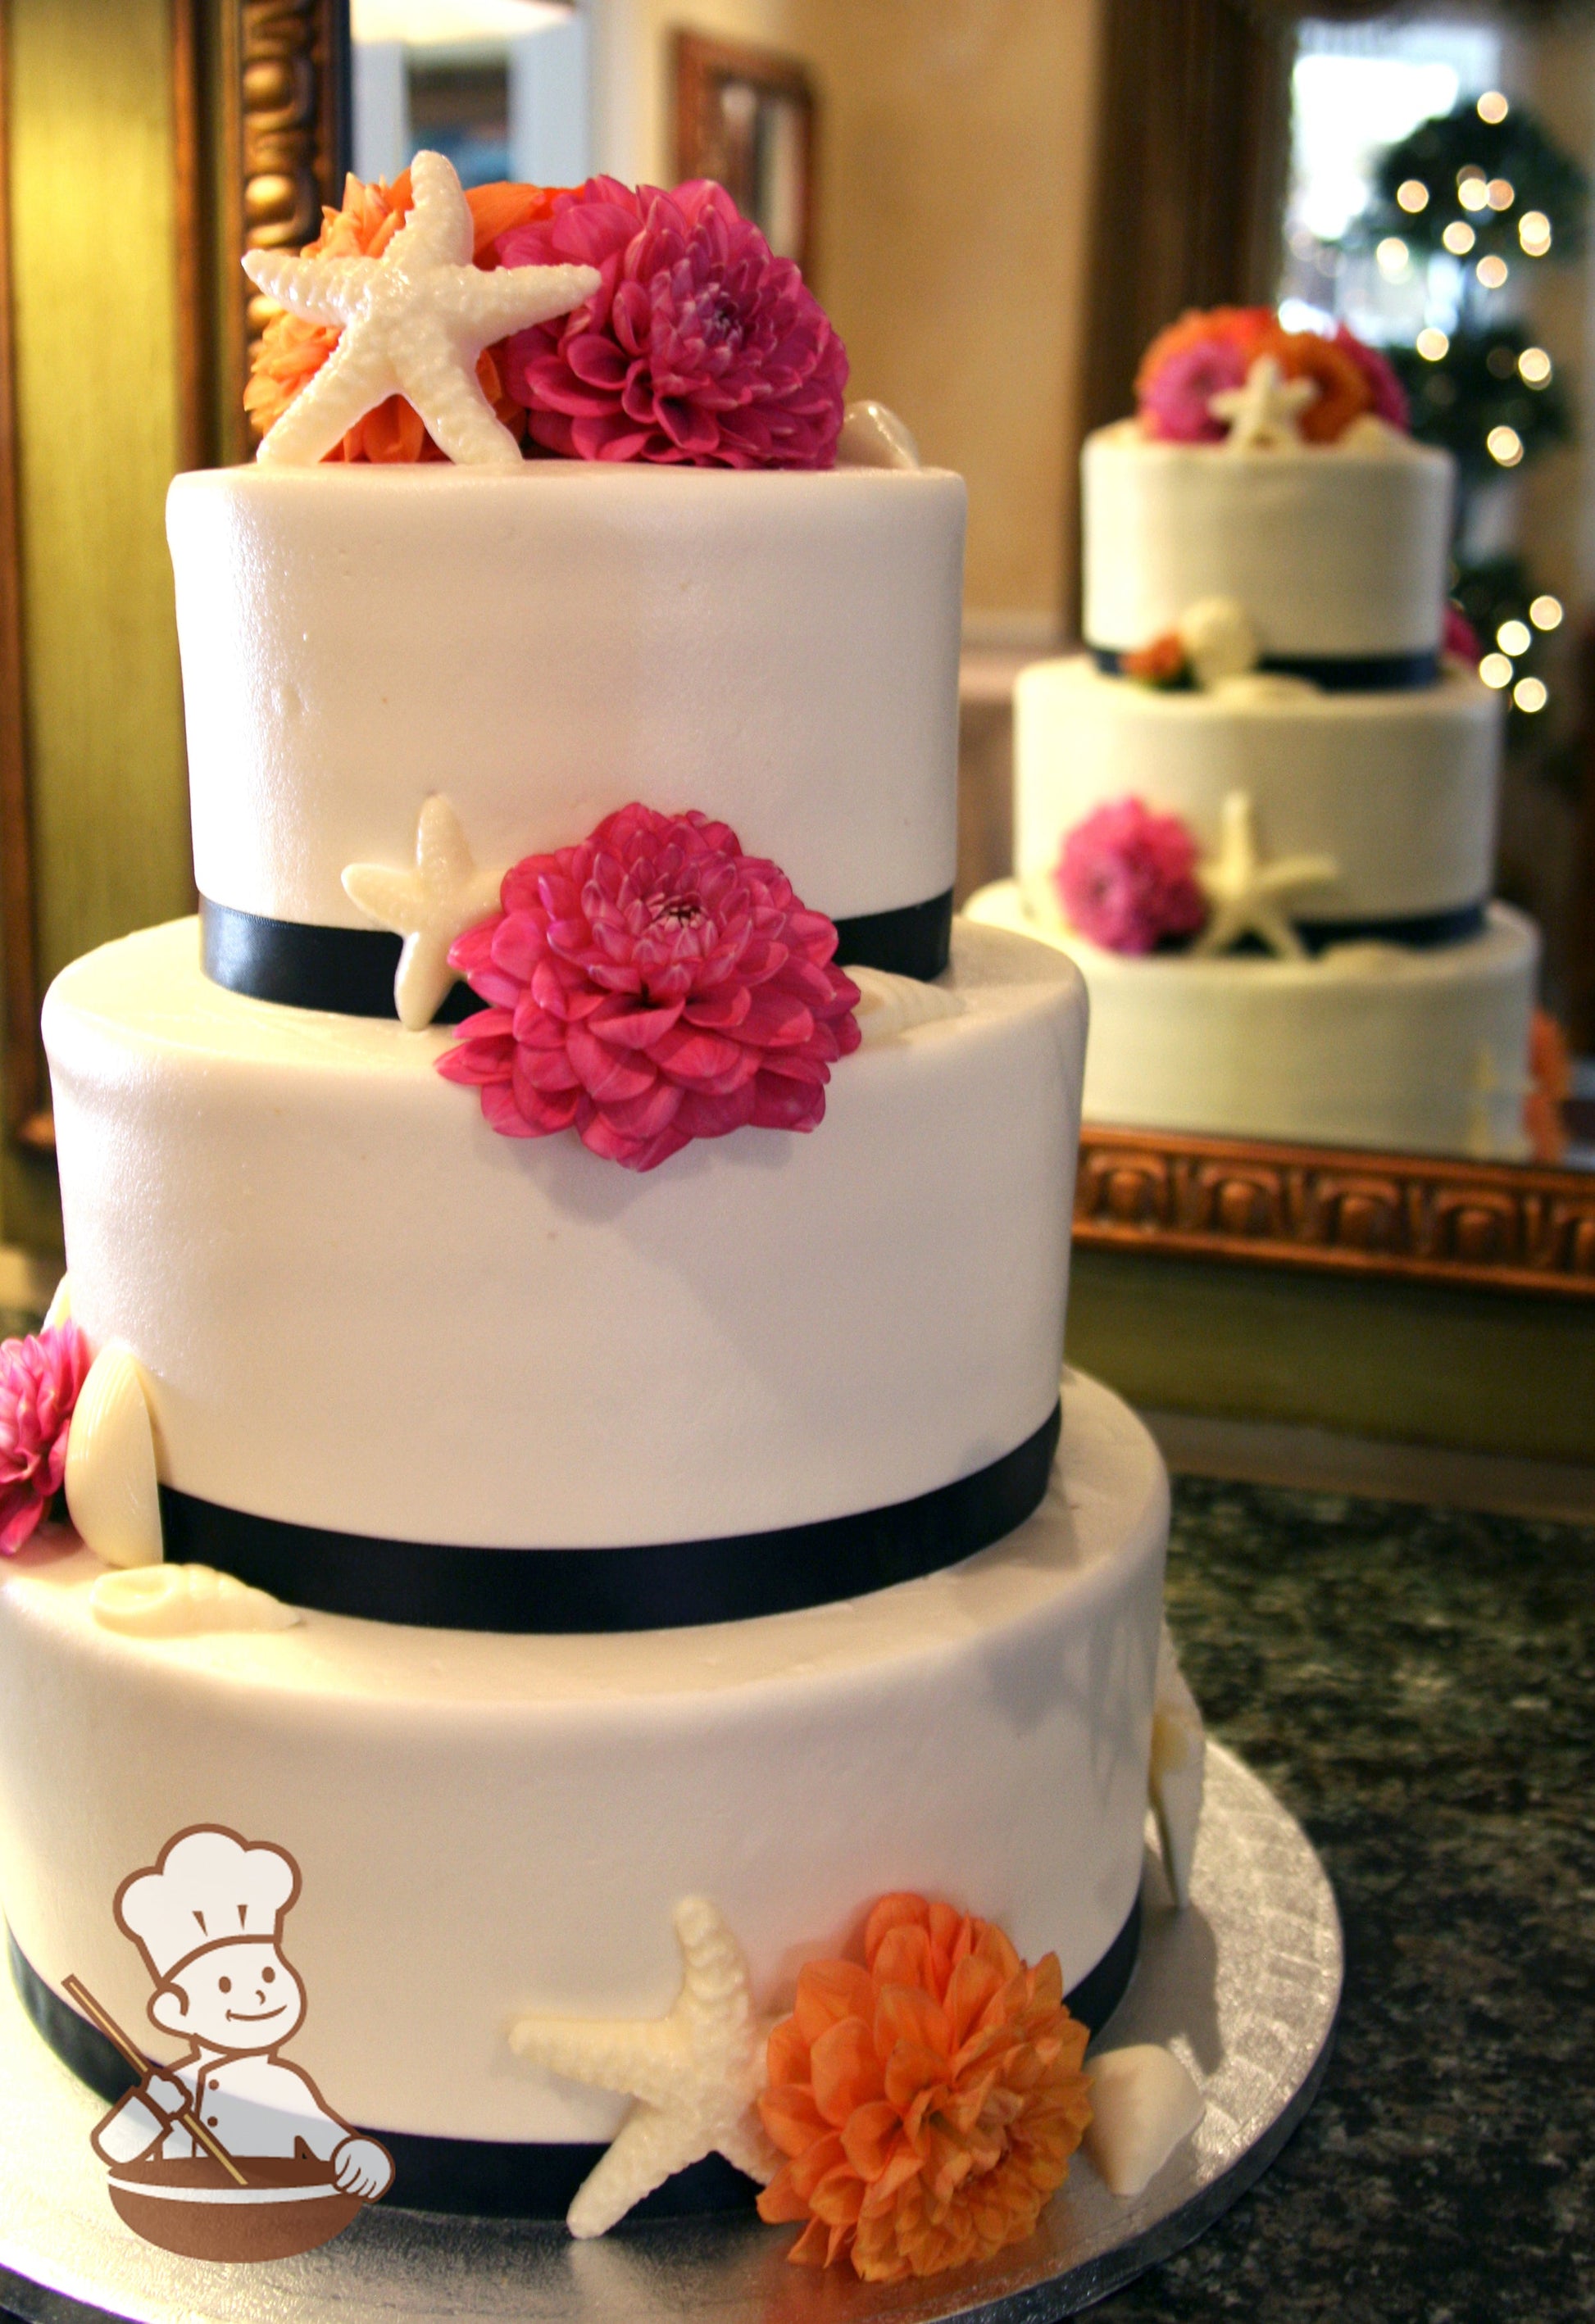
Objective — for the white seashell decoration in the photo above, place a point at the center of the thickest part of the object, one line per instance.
(874, 436)
(182, 1601)
(1143, 2105)
(1173, 1779)
(889, 1005)
(113, 1492)
(60, 1310)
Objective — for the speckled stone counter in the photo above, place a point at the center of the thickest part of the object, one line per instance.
(1418, 1686)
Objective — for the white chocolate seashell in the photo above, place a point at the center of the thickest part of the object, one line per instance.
(889, 1005)
(1173, 1779)
(60, 1310)
(181, 1601)
(874, 436)
(113, 1493)
(1143, 2105)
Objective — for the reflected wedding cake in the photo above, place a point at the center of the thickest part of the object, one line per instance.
(1260, 810)
(558, 1383)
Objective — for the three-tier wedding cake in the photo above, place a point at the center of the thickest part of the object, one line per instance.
(567, 1265)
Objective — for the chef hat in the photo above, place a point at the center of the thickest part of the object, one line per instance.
(208, 1886)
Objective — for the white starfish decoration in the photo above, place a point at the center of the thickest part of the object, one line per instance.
(1247, 896)
(696, 2075)
(1267, 412)
(445, 895)
(413, 323)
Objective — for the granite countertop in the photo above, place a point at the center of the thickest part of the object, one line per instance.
(1418, 1686)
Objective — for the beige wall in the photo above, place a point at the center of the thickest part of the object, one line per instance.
(92, 252)
(954, 176)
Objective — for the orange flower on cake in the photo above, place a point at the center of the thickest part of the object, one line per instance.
(926, 2103)
(292, 351)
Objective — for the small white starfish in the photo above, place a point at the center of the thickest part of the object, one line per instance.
(1267, 412)
(696, 2075)
(413, 323)
(445, 895)
(1249, 896)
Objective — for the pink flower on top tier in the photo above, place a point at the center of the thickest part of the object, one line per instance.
(1127, 877)
(1389, 397)
(1176, 399)
(650, 986)
(699, 346)
(40, 1378)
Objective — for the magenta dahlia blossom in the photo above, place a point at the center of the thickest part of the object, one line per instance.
(1127, 877)
(699, 345)
(1389, 397)
(650, 986)
(1176, 400)
(40, 1378)
(1458, 637)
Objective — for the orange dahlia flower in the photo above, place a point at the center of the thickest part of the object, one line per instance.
(927, 2103)
(292, 351)
(1343, 390)
(1550, 1072)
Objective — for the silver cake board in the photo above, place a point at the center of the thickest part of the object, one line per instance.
(1243, 1986)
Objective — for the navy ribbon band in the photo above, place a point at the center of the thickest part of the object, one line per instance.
(1335, 673)
(492, 2178)
(351, 971)
(661, 1586)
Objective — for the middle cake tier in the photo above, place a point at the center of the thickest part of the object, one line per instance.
(358, 1310)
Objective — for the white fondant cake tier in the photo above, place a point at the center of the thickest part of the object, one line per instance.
(1368, 1044)
(488, 1825)
(1332, 551)
(1398, 789)
(779, 650)
(356, 1306)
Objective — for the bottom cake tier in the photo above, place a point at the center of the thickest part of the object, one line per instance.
(1376, 1045)
(487, 1825)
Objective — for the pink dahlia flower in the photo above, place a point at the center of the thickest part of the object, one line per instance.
(1458, 636)
(1127, 877)
(1175, 399)
(40, 1378)
(650, 986)
(699, 345)
(1389, 397)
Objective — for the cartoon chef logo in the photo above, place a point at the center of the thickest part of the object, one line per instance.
(230, 2152)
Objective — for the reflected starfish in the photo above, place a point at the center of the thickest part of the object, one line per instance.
(1265, 413)
(1249, 896)
(413, 323)
(696, 2075)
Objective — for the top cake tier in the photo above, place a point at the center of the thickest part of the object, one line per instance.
(1336, 551)
(779, 650)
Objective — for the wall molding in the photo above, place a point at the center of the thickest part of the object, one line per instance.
(1501, 1226)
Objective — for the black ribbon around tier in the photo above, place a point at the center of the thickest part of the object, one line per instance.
(1390, 673)
(659, 1586)
(351, 971)
(494, 2177)
(1418, 931)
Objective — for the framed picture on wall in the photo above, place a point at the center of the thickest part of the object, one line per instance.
(746, 117)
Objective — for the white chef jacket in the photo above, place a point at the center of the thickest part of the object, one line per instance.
(256, 2104)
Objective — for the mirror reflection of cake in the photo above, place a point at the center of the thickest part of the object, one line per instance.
(1260, 809)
